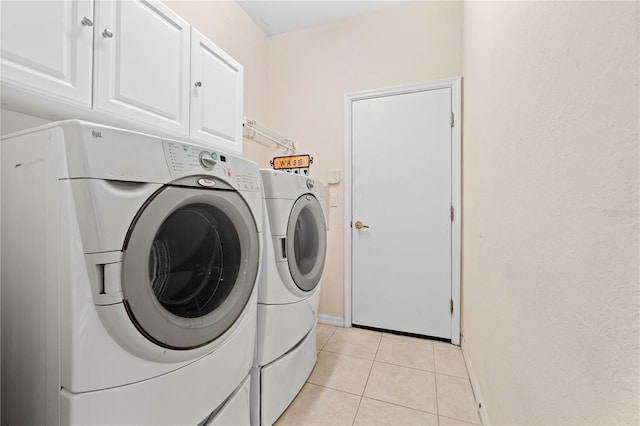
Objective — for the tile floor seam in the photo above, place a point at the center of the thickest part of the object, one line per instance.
(333, 389)
(371, 369)
(466, 422)
(475, 402)
(400, 405)
(435, 379)
(357, 410)
(404, 366)
(450, 375)
(352, 356)
(368, 376)
(377, 348)
(458, 419)
(327, 341)
(336, 389)
(433, 349)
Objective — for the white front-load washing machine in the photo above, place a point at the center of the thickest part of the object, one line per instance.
(288, 291)
(129, 270)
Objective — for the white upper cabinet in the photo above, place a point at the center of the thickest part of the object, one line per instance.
(47, 47)
(216, 95)
(142, 64)
(127, 63)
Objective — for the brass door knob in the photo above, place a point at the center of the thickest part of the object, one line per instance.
(360, 225)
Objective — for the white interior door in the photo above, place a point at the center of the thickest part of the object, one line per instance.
(402, 193)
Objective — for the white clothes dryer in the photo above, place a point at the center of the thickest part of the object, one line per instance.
(288, 291)
(129, 270)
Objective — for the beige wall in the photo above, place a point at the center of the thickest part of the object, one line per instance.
(310, 71)
(551, 277)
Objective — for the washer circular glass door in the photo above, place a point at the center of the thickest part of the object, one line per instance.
(306, 244)
(190, 265)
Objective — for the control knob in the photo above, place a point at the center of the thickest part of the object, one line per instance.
(208, 159)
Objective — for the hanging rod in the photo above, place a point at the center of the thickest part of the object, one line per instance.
(252, 129)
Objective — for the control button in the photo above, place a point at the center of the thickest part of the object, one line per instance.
(207, 159)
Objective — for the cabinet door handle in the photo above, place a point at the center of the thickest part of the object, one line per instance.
(87, 22)
(198, 84)
(106, 33)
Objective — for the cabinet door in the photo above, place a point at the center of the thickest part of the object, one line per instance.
(216, 95)
(47, 48)
(142, 64)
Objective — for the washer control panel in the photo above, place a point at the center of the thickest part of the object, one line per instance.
(186, 159)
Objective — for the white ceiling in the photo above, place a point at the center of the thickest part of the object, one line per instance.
(278, 17)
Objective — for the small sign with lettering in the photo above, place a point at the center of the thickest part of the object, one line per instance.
(298, 164)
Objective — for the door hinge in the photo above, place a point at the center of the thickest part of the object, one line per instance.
(452, 119)
(451, 306)
(451, 213)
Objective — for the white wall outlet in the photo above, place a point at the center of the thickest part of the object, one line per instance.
(333, 198)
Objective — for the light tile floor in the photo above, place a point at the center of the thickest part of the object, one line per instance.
(365, 377)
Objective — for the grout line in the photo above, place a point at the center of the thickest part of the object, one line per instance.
(328, 338)
(352, 356)
(433, 347)
(377, 350)
(337, 390)
(450, 375)
(342, 390)
(341, 354)
(366, 383)
(458, 420)
(357, 410)
(333, 389)
(435, 382)
(405, 366)
(400, 405)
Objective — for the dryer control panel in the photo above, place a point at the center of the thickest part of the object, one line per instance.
(186, 159)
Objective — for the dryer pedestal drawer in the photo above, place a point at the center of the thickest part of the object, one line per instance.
(282, 327)
(282, 379)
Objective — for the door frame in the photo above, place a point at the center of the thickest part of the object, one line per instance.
(455, 85)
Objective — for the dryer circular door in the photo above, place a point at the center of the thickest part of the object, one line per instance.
(306, 242)
(190, 265)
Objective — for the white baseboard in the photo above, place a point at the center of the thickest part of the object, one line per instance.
(330, 320)
(475, 386)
